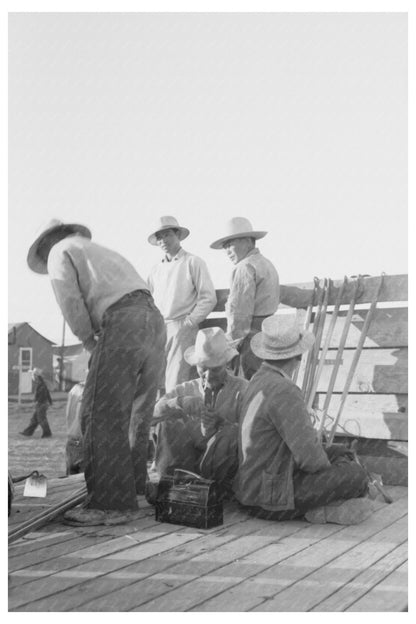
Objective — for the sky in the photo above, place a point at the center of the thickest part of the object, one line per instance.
(297, 121)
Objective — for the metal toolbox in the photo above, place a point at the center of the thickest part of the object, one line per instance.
(190, 500)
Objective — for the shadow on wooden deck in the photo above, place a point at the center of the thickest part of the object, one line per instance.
(245, 565)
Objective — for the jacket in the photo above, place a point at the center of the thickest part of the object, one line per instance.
(276, 437)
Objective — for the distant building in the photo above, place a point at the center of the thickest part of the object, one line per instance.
(27, 349)
(75, 364)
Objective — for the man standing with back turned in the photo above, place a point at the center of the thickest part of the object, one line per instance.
(108, 307)
(184, 293)
(254, 289)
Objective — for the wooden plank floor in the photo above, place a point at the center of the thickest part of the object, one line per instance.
(245, 565)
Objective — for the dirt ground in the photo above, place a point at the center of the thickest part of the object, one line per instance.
(45, 455)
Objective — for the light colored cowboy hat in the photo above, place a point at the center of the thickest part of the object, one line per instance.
(237, 227)
(282, 336)
(211, 349)
(167, 223)
(34, 261)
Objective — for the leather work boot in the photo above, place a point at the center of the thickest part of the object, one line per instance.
(83, 516)
(352, 511)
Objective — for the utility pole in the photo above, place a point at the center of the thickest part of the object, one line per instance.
(61, 363)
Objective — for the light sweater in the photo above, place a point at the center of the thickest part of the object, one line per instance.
(182, 288)
(87, 278)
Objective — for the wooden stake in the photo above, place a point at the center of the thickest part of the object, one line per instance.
(326, 343)
(338, 358)
(318, 338)
(356, 357)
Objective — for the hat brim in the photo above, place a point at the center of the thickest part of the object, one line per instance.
(220, 360)
(34, 261)
(265, 352)
(183, 233)
(255, 234)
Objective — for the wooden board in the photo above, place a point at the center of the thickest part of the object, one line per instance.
(378, 416)
(378, 371)
(244, 564)
(395, 288)
(388, 328)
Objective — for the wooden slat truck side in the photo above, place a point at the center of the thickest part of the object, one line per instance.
(376, 410)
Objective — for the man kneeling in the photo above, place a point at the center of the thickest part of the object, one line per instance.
(284, 471)
(198, 419)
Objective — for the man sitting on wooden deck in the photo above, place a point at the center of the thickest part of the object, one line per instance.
(284, 471)
(197, 428)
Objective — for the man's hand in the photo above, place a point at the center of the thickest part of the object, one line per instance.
(210, 421)
(191, 405)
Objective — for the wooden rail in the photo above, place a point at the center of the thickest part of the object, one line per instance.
(377, 405)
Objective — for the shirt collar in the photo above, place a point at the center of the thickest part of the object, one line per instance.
(253, 252)
(179, 255)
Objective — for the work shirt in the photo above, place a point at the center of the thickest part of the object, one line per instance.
(276, 437)
(228, 401)
(254, 291)
(87, 278)
(182, 288)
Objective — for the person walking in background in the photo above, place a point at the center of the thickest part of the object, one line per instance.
(109, 308)
(42, 402)
(254, 289)
(184, 293)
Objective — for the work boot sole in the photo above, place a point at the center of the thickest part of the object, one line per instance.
(352, 511)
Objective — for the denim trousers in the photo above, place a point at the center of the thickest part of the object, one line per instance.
(39, 418)
(344, 479)
(118, 401)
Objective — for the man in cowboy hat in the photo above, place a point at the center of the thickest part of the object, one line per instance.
(254, 288)
(42, 401)
(108, 307)
(184, 293)
(198, 419)
(284, 471)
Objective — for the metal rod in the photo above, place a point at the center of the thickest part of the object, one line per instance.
(45, 516)
(356, 357)
(326, 343)
(306, 326)
(338, 358)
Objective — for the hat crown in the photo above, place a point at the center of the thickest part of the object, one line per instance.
(210, 343)
(281, 332)
(238, 225)
(166, 222)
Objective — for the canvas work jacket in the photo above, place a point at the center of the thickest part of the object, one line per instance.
(275, 438)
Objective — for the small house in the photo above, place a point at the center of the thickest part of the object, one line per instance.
(27, 349)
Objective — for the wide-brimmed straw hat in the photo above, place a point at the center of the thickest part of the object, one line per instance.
(35, 262)
(211, 349)
(237, 227)
(281, 337)
(167, 223)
